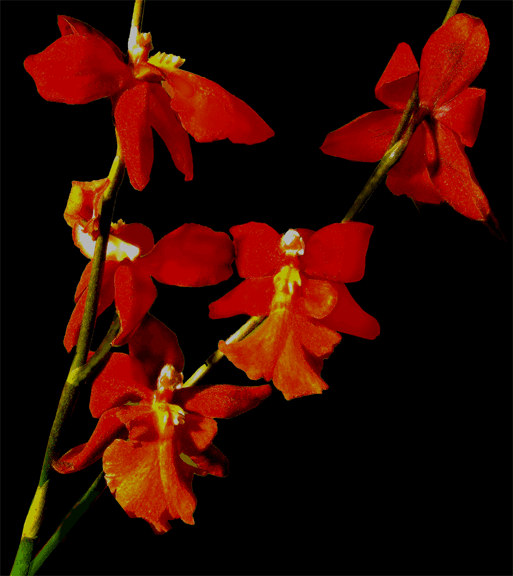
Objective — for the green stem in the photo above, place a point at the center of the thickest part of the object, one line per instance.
(70, 391)
(78, 510)
(410, 119)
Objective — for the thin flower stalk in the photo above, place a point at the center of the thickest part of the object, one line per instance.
(70, 391)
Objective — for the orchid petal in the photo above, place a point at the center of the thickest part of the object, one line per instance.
(121, 380)
(256, 249)
(455, 180)
(155, 345)
(133, 123)
(108, 428)
(412, 174)
(348, 317)
(365, 139)
(397, 82)
(463, 114)
(208, 112)
(77, 69)
(252, 297)
(451, 59)
(221, 400)
(134, 296)
(165, 122)
(192, 255)
(337, 252)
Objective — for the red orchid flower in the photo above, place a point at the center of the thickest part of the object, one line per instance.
(169, 428)
(434, 166)
(83, 65)
(191, 255)
(297, 280)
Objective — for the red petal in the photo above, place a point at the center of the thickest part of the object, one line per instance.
(192, 255)
(121, 380)
(212, 461)
(164, 121)
(412, 174)
(398, 80)
(221, 400)
(133, 123)
(318, 299)
(77, 70)
(365, 139)
(463, 114)
(135, 234)
(196, 433)
(337, 252)
(318, 340)
(106, 299)
(455, 180)
(150, 481)
(155, 345)
(134, 296)
(68, 25)
(208, 112)
(258, 353)
(349, 318)
(295, 374)
(108, 428)
(252, 297)
(452, 58)
(256, 249)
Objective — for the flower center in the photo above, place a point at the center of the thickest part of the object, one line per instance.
(291, 244)
(167, 415)
(285, 283)
(117, 249)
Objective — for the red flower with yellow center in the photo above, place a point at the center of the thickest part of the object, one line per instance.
(434, 167)
(191, 255)
(298, 281)
(146, 93)
(153, 434)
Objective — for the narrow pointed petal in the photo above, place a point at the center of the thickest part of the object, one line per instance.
(155, 345)
(106, 299)
(455, 180)
(108, 428)
(221, 400)
(134, 296)
(365, 139)
(256, 249)
(192, 255)
(68, 25)
(463, 114)
(77, 69)
(412, 174)
(208, 112)
(252, 297)
(121, 380)
(133, 123)
(398, 80)
(348, 317)
(451, 59)
(168, 127)
(337, 252)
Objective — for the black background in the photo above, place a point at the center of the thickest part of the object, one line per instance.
(404, 465)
